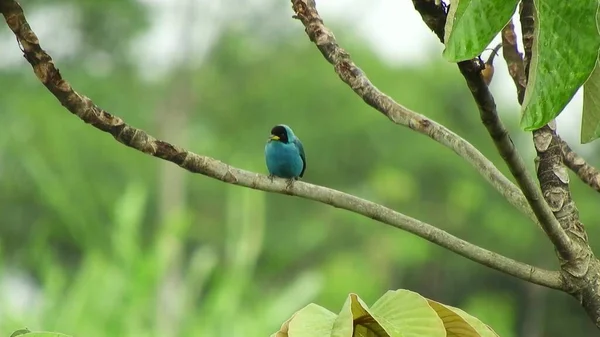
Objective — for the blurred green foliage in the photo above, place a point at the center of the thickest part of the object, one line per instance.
(109, 241)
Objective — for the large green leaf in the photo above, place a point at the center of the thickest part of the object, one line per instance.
(343, 325)
(472, 24)
(404, 313)
(456, 325)
(355, 320)
(480, 327)
(590, 123)
(399, 313)
(565, 50)
(312, 320)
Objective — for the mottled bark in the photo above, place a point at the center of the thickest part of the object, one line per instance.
(85, 109)
(586, 172)
(514, 59)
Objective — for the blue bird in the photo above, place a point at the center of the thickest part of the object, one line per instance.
(284, 154)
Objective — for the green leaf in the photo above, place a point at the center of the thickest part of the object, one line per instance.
(456, 326)
(590, 123)
(344, 323)
(403, 313)
(312, 320)
(480, 327)
(365, 324)
(399, 313)
(472, 24)
(565, 50)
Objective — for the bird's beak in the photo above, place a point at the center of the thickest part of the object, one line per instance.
(273, 137)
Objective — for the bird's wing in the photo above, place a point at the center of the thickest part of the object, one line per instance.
(298, 144)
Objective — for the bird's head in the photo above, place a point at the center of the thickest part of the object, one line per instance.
(281, 133)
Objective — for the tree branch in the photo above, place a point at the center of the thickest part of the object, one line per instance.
(552, 174)
(514, 59)
(581, 274)
(435, 17)
(586, 172)
(85, 109)
(354, 77)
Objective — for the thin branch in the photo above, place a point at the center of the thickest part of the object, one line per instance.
(488, 71)
(354, 77)
(514, 59)
(586, 172)
(85, 109)
(435, 17)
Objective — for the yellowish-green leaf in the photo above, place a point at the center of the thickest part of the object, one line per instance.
(285, 327)
(365, 325)
(344, 323)
(399, 313)
(480, 327)
(455, 324)
(565, 50)
(472, 24)
(355, 320)
(312, 320)
(403, 313)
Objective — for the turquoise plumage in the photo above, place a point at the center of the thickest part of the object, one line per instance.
(284, 154)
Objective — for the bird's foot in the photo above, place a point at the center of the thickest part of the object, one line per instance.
(271, 177)
(290, 182)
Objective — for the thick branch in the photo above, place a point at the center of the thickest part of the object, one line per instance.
(586, 172)
(581, 273)
(551, 172)
(354, 77)
(85, 109)
(435, 17)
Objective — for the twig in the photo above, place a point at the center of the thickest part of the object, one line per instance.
(586, 172)
(488, 71)
(354, 77)
(435, 18)
(85, 109)
(514, 59)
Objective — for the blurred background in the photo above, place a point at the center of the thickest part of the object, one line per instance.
(97, 239)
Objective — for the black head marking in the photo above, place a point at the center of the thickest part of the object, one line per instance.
(280, 132)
